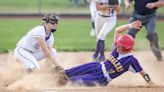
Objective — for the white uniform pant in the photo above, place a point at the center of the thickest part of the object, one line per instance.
(103, 25)
(28, 59)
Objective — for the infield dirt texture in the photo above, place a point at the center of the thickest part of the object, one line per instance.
(12, 78)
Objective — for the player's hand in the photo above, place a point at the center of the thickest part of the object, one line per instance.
(150, 84)
(127, 5)
(150, 5)
(136, 24)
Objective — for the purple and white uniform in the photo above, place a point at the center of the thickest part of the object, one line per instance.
(103, 72)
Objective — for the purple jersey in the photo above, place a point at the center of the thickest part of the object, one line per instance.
(118, 64)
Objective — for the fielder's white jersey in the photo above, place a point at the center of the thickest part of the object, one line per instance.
(111, 12)
(28, 42)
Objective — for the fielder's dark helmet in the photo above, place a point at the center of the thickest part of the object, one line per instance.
(50, 17)
(126, 41)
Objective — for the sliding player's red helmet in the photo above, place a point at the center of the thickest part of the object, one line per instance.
(126, 41)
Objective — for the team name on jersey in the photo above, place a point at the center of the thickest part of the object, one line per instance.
(116, 63)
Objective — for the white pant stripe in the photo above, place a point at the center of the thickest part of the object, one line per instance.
(105, 72)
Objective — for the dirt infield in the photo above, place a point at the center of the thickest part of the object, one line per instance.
(13, 78)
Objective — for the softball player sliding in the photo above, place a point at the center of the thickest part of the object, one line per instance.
(119, 61)
(38, 44)
(105, 21)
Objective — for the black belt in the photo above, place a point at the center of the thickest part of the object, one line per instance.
(103, 15)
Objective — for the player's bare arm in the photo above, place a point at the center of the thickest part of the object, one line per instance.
(46, 50)
(136, 25)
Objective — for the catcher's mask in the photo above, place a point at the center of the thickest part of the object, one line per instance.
(51, 18)
(125, 42)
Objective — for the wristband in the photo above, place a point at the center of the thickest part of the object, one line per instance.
(147, 78)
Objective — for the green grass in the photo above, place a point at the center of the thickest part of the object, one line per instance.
(58, 6)
(72, 34)
(12, 30)
(36, 6)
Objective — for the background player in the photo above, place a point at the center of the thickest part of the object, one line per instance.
(38, 44)
(104, 23)
(144, 12)
(120, 61)
(92, 7)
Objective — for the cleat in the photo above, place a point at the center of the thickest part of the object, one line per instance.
(159, 59)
